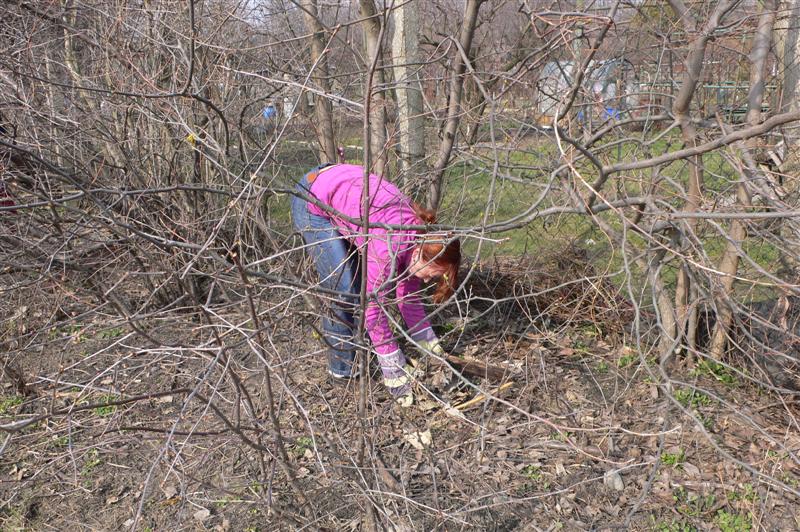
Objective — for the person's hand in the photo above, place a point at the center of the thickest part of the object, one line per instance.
(432, 346)
(401, 387)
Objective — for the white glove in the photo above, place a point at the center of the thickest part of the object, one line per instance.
(400, 387)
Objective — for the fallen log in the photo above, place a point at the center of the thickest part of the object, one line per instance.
(472, 367)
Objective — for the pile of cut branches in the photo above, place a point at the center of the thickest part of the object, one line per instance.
(562, 288)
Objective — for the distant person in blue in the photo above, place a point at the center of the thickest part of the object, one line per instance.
(270, 115)
(269, 112)
(611, 113)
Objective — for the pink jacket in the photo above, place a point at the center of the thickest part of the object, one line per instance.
(388, 251)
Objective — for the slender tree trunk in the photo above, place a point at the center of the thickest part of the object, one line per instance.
(377, 113)
(787, 153)
(322, 105)
(729, 263)
(787, 49)
(681, 111)
(454, 110)
(411, 125)
(521, 52)
(113, 151)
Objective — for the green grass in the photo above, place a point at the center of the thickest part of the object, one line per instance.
(535, 480)
(8, 404)
(301, 445)
(115, 332)
(732, 522)
(91, 461)
(691, 504)
(673, 459)
(627, 360)
(467, 202)
(468, 185)
(747, 493)
(672, 526)
(60, 441)
(107, 410)
(689, 397)
(715, 370)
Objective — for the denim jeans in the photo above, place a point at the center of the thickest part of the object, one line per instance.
(338, 269)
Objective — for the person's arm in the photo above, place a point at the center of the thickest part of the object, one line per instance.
(413, 312)
(417, 322)
(380, 273)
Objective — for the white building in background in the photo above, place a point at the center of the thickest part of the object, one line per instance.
(608, 90)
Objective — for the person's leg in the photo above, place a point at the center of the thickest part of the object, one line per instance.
(336, 266)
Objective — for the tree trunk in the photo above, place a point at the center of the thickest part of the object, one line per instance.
(454, 108)
(787, 49)
(322, 105)
(411, 139)
(377, 113)
(520, 54)
(681, 111)
(729, 264)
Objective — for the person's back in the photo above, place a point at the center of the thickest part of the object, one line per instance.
(341, 187)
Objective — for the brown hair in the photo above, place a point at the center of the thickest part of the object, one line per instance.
(437, 250)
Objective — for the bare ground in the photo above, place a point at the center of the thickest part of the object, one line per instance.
(163, 423)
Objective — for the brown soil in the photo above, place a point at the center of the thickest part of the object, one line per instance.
(585, 439)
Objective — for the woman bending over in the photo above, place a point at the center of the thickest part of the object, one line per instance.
(396, 259)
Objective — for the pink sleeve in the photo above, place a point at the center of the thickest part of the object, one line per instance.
(380, 275)
(412, 310)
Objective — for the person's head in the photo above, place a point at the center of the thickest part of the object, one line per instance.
(436, 258)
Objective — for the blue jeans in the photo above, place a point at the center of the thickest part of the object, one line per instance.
(338, 268)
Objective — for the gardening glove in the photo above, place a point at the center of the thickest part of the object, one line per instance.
(432, 345)
(400, 387)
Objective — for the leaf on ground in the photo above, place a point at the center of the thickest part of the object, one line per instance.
(418, 440)
(691, 470)
(426, 405)
(613, 480)
(439, 378)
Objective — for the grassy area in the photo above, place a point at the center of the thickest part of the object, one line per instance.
(472, 195)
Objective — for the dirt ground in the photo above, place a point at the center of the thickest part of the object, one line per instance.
(164, 424)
